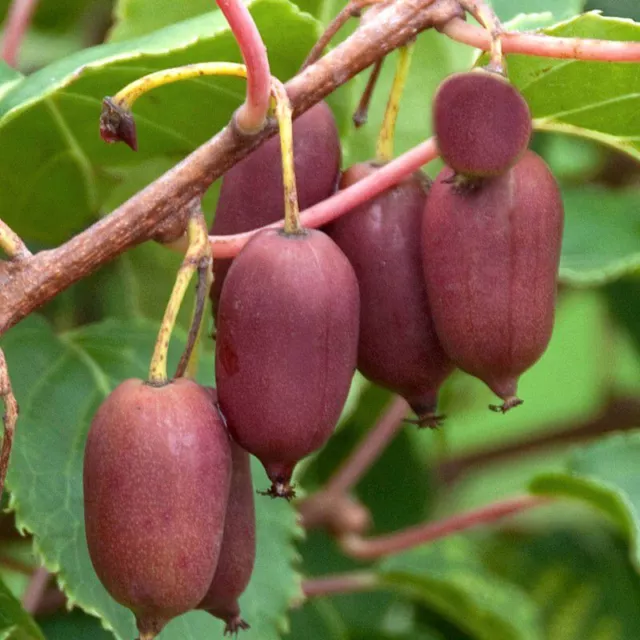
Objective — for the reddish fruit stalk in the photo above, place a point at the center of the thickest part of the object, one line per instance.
(398, 346)
(251, 191)
(157, 470)
(238, 552)
(491, 256)
(286, 347)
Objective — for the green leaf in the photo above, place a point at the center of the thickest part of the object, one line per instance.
(15, 622)
(8, 77)
(605, 475)
(59, 382)
(449, 577)
(595, 100)
(602, 235)
(134, 18)
(531, 14)
(581, 581)
(55, 171)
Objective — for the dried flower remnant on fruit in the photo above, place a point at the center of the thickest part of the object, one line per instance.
(117, 124)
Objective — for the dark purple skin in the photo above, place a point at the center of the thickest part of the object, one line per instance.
(238, 552)
(491, 258)
(286, 347)
(157, 472)
(251, 191)
(481, 122)
(398, 347)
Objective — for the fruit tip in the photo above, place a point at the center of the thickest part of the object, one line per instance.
(235, 624)
(509, 403)
(280, 490)
(427, 421)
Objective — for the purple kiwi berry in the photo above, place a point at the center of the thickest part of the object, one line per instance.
(287, 347)
(157, 471)
(238, 552)
(398, 346)
(490, 257)
(481, 122)
(251, 191)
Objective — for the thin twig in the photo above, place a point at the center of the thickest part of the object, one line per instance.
(37, 280)
(252, 114)
(342, 201)
(9, 418)
(35, 590)
(331, 508)
(383, 546)
(545, 46)
(17, 25)
(202, 291)
(341, 583)
(351, 10)
(361, 114)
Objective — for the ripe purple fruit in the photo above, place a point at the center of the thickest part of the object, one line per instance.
(251, 191)
(157, 471)
(398, 346)
(491, 257)
(481, 122)
(286, 347)
(238, 552)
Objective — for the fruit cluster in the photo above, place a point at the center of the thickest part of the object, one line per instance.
(420, 280)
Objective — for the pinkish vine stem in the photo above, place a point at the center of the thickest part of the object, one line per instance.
(341, 202)
(17, 24)
(534, 44)
(340, 583)
(382, 546)
(252, 114)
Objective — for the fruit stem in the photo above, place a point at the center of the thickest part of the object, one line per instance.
(17, 24)
(252, 115)
(537, 44)
(12, 244)
(351, 10)
(361, 114)
(9, 418)
(343, 201)
(284, 116)
(188, 365)
(382, 546)
(117, 123)
(386, 139)
(487, 17)
(197, 254)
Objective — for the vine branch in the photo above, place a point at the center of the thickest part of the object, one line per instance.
(361, 548)
(9, 418)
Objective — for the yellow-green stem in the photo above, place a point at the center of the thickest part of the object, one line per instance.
(285, 124)
(11, 243)
(384, 149)
(487, 17)
(198, 250)
(129, 94)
